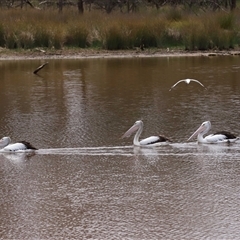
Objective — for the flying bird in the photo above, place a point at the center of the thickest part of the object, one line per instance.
(187, 81)
(5, 144)
(150, 141)
(218, 137)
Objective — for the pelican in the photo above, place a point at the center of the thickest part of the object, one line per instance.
(150, 141)
(7, 147)
(218, 137)
(187, 81)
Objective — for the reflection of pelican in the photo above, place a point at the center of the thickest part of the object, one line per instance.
(213, 148)
(187, 81)
(219, 137)
(150, 141)
(149, 152)
(7, 147)
(18, 158)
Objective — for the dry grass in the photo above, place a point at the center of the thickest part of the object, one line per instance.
(170, 28)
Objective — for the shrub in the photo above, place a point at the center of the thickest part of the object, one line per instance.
(2, 40)
(115, 39)
(165, 28)
(226, 21)
(42, 37)
(76, 36)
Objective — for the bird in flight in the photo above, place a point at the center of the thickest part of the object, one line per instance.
(187, 81)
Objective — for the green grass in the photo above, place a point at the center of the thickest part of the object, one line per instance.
(27, 29)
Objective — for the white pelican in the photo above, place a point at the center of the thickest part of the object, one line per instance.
(150, 141)
(218, 137)
(187, 81)
(7, 147)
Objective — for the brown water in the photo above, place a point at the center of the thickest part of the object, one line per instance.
(85, 182)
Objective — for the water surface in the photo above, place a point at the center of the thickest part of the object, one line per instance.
(85, 182)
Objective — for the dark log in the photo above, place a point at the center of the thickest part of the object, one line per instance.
(40, 67)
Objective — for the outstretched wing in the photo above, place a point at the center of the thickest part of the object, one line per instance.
(173, 86)
(194, 80)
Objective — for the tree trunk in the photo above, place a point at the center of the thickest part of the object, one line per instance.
(80, 6)
(60, 6)
(233, 4)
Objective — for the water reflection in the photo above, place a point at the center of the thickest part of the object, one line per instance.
(86, 182)
(18, 157)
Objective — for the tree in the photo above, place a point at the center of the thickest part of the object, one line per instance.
(80, 6)
(60, 6)
(233, 4)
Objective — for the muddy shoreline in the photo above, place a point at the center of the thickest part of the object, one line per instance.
(6, 54)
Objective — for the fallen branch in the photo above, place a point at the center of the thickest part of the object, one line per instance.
(40, 67)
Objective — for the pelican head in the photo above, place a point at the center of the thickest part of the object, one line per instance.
(203, 129)
(138, 124)
(4, 141)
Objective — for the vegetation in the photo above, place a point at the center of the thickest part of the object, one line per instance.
(126, 6)
(167, 27)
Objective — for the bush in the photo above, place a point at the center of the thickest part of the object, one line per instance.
(76, 36)
(166, 28)
(115, 39)
(2, 40)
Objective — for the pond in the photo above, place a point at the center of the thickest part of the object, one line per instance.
(86, 182)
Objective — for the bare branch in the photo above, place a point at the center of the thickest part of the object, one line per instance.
(40, 67)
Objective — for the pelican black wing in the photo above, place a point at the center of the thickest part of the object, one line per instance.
(227, 134)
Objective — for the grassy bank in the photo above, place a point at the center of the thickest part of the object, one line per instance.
(169, 28)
